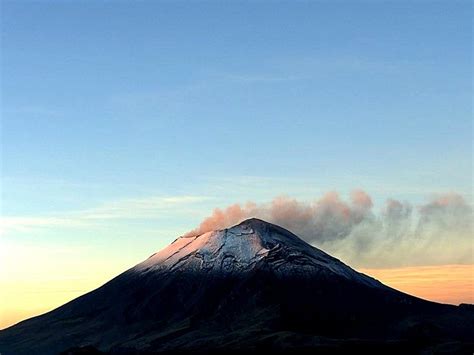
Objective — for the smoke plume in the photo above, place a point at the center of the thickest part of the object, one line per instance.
(438, 232)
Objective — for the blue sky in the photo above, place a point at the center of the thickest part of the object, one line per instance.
(104, 103)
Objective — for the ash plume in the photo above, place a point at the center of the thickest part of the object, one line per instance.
(437, 232)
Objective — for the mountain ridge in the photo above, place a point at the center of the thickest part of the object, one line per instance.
(249, 241)
(236, 290)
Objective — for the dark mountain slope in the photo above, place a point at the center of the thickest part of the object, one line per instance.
(250, 287)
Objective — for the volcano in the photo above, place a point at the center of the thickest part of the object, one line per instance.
(250, 288)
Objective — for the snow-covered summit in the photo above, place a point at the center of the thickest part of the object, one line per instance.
(251, 244)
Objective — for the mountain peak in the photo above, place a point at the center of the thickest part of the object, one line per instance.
(253, 222)
(233, 289)
(253, 244)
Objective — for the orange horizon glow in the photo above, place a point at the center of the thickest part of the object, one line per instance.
(453, 284)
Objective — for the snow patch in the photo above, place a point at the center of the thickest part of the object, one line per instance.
(240, 248)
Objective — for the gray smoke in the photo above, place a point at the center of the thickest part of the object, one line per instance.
(438, 232)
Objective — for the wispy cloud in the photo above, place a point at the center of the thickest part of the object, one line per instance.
(154, 207)
(26, 224)
(249, 78)
(159, 96)
(32, 110)
(150, 207)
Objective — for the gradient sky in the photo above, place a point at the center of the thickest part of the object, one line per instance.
(125, 123)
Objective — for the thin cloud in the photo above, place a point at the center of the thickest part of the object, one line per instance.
(27, 224)
(150, 207)
(127, 209)
(248, 78)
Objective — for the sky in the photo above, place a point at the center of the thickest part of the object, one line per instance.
(124, 124)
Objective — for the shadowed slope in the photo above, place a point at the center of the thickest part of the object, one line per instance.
(252, 285)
